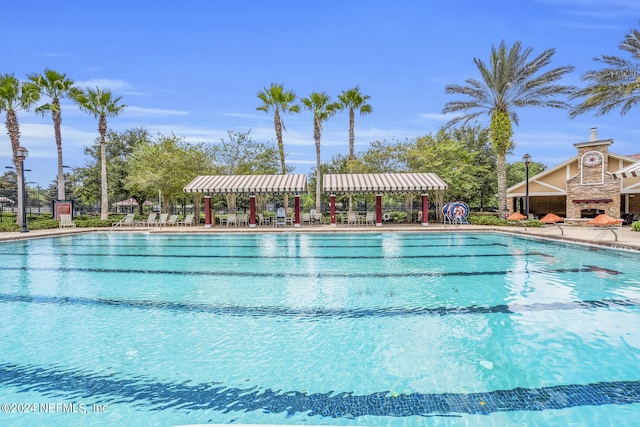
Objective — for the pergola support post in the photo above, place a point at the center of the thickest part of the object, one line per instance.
(296, 217)
(425, 210)
(252, 211)
(207, 211)
(332, 207)
(378, 210)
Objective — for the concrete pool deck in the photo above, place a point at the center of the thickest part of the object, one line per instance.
(617, 238)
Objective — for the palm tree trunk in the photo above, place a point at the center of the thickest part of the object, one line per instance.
(501, 132)
(501, 169)
(13, 129)
(278, 126)
(316, 136)
(352, 139)
(104, 208)
(57, 120)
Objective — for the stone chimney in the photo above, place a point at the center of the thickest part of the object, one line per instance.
(593, 134)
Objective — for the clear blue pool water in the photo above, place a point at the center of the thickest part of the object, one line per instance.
(404, 329)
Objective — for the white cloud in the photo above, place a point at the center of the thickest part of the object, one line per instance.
(132, 111)
(439, 117)
(114, 85)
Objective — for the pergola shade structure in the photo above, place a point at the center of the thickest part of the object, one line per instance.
(247, 184)
(379, 183)
(631, 171)
(250, 185)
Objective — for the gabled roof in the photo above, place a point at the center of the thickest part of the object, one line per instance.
(382, 182)
(247, 184)
(568, 169)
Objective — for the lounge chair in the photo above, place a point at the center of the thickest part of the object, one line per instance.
(163, 219)
(281, 217)
(66, 221)
(128, 221)
(188, 220)
(150, 221)
(172, 220)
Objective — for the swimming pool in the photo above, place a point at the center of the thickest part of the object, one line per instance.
(404, 329)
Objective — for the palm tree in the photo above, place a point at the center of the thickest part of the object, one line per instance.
(277, 99)
(615, 85)
(322, 107)
(510, 81)
(56, 86)
(100, 104)
(354, 100)
(15, 96)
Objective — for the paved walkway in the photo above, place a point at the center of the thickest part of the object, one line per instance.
(620, 237)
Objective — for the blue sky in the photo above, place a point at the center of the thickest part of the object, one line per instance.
(194, 67)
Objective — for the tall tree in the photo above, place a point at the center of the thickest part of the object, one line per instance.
(616, 84)
(101, 104)
(354, 100)
(277, 99)
(119, 148)
(320, 104)
(510, 81)
(55, 86)
(16, 96)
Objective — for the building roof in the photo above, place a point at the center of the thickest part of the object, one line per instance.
(247, 184)
(382, 182)
(553, 181)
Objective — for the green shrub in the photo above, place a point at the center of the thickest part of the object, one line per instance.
(493, 220)
(42, 224)
(635, 226)
(93, 222)
(398, 217)
(9, 226)
(486, 220)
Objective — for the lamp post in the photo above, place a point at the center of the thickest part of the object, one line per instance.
(527, 160)
(23, 153)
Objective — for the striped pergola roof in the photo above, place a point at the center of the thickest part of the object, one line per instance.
(630, 171)
(382, 182)
(247, 184)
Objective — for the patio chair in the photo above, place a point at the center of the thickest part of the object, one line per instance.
(370, 218)
(173, 219)
(66, 221)
(150, 221)
(306, 217)
(281, 217)
(352, 218)
(316, 216)
(188, 220)
(232, 219)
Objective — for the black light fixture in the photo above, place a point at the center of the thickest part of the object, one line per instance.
(21, 154)
(527, 160)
